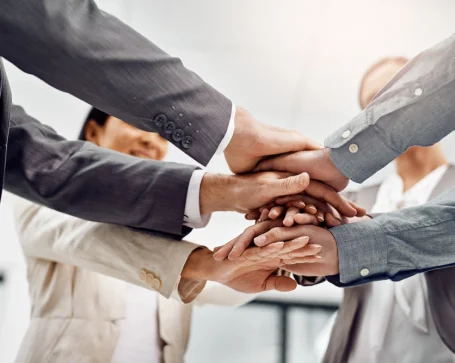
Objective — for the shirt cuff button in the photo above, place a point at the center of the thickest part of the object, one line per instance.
(364, 272)
(353, 148)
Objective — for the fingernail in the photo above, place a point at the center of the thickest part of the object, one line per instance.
(301, 204)
(320, 218)
(317, 246)
(317, 256)
(260, 240)
(313, 209)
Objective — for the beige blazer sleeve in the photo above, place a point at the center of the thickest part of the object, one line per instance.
(140, 258)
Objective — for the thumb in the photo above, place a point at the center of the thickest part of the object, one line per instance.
(294, 184)
(280, 283)
(284, 141)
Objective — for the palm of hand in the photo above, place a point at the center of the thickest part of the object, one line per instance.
(249, 277)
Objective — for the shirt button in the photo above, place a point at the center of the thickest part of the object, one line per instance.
(169, 127)
(187, 142)
(346, 134)
(178, 135)
(160, 120)
(364, 272)
(353, 148)
(418, 91)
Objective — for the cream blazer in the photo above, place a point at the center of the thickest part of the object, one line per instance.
(77, 272)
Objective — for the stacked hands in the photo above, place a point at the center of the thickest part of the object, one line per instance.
(288, 184)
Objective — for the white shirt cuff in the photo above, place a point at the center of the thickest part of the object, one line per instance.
(229, 133)
(193, 218)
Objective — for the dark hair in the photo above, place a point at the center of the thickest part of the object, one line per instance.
(96, 115)
(378, 64)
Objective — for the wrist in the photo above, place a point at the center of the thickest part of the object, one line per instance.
(199, 266)
(216, 193)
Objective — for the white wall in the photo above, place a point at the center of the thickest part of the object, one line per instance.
(293, 63)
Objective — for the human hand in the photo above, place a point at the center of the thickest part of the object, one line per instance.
(253, 140)
(255, 271)
(303, 209)
(316, 163)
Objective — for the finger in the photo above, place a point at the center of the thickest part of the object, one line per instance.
(309, 250)
(267, 206)
(305, 218)
(223, 252)
(216, 249)
(331, 221)
(299, 204)
(289, 198)
(283, 141)
(324, 192)
(311, 209)
(288, 220)
(246, 238)
(306, 259)
(253, 215)
(294, 245)
(360, 210)
(276, 212)
(268, 252)
(279, 163)
(264, 215)
(279, 283)
(293, 184)
(277, 234)
(320, 216)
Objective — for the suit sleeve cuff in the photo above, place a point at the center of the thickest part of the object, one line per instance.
(193, 217)
(362, 253)
(229, 133)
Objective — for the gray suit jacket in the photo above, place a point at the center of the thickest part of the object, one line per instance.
(75, 47)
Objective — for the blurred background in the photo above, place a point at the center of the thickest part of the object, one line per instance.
(293, 63)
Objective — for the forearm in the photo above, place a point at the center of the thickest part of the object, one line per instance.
(397, 245)
(140, 258)
(93, 183)
(77, 48)
(415, 108)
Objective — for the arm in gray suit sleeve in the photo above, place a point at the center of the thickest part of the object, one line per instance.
(79, 49)
(94, 183)
(397, 245)
(416, 108)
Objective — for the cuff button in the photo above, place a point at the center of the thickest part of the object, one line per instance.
(159, 120)
(346, 134)
(178, 135)
(364, 272)
(353, 148)
(169, 127)
(187, 142)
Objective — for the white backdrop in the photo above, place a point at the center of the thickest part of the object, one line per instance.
(293, 63)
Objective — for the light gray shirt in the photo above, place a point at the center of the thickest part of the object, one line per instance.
(399, 244)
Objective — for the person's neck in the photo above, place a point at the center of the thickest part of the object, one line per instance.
(418, 162)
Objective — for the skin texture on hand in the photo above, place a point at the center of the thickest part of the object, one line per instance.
(253, 140)
(316, 163)
(253, 272)
(242, 193)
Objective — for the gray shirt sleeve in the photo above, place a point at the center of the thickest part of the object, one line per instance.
(79, 49)
(397, 245)
(416, 108)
